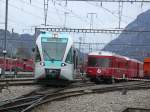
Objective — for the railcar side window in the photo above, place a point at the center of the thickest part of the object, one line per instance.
(37, 57)
(92, 62)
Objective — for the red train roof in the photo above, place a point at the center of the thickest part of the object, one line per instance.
(107, 53)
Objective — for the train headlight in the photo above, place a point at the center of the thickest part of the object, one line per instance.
(63, 64)
(42, 63)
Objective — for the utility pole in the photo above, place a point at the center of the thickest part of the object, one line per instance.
(120, 9)
(5, 37)
(11, 52)
(80, 41)
(65, 19)
(45, 11)
(90, 47)
(91, 18)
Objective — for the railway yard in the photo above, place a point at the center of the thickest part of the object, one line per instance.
(78, 97)
(108, 82)
(75, 56)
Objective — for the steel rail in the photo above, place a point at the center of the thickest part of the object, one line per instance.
(16, 79)
(17, 82)
(23, 102)
(136, 109)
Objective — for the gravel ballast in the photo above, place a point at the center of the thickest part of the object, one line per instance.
(106, 102)
(15, 91)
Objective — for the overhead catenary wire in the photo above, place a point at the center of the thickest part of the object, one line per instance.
(128, 1)
(22, 10)
(15, 23)
(27, 12)
(32, 5)
(108, 11)
(83, 19)
(41, 8)
(73, 13)
(119, 44)
(86, 43)
(57, 12)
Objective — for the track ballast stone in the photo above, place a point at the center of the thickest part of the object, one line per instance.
(15, 91)
(106, 102)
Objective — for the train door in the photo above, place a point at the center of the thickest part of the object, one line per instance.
(115, 66)
(75, 59)
(127, 68)
(146, 67)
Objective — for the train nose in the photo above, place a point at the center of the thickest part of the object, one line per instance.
(52, 73)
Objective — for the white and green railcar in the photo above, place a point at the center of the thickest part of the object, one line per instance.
(56, 58)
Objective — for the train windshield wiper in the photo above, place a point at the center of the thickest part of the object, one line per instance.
(50, 58)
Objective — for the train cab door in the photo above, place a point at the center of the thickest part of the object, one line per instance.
(75, 59)
(75, 63)
(38, 69)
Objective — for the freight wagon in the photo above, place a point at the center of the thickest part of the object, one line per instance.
(147, 67)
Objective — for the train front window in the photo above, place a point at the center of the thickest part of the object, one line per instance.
(54, 48)
(98, 62)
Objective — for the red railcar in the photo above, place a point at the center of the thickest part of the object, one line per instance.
(9, 64)
(28, 65)
(20, 65)
(107, 66)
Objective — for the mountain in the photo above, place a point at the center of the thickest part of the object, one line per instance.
(136, 44)
(17, 45)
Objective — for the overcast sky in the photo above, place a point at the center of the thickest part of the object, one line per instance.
(23, 16)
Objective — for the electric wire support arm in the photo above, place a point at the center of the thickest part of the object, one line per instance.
(109, 31)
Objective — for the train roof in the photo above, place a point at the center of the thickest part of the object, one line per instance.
(136, 61)
(106, 53)
(45, 35)
(54, 34)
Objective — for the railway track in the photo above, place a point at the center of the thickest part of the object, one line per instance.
(17, 81)
(27, 102)
(136, 110)
(24, 81)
